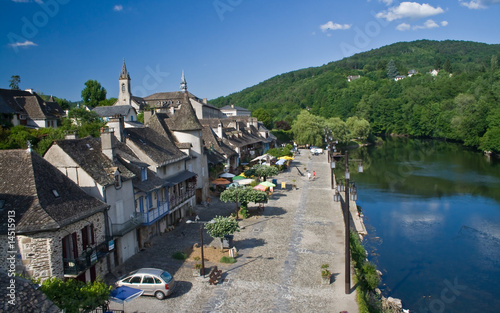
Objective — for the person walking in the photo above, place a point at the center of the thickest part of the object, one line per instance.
(308, 175)
(314, 175)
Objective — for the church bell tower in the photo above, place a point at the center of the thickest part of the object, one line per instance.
(125, 95)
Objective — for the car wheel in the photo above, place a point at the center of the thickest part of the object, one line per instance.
(159, 295)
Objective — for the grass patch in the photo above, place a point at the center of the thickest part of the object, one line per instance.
(179, 255)
(227, 259)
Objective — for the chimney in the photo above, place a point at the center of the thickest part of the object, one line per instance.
(219, 130)
(108, 142)
(71, 135)
(205, 101)
(238, 126)
(29, 90)
(147, 116)
(172, 111)
(232, 106)
(117, 125)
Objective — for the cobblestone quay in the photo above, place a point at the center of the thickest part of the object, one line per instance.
(280, 254)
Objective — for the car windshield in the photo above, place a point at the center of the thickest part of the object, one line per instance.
(166, 276)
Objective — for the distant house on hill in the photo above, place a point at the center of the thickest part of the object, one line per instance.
(350, 78)
(434, 72)
(412, 72)
(399, 77)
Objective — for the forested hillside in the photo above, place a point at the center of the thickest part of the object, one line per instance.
(460, 103)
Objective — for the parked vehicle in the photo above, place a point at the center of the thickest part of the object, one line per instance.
(316, 150)
(154, 282)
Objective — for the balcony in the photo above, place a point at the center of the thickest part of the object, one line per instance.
(175, 200)
(154, 214)
(123, 228)
(88, 258)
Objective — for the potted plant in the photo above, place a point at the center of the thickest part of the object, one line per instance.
(294, 185)
(325, 274)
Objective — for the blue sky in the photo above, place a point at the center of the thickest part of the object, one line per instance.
(223, 46)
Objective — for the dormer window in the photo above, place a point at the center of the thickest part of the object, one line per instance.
(118, 179)
(55, 193)
(144, 174)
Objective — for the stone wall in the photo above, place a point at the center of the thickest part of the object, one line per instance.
(40, 254)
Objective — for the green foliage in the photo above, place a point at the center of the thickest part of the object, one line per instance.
(14, 82)
(281, 151)
(421, 105)
(359, 128)
(107, 102)
(73, 295)
(264, 116)
(243, 195)
(227, 260)
(93, 93)
(392, 71)
(222, 226)
(261, 170)
(179, 255)
(244, 213)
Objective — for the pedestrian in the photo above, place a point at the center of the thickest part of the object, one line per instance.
(314, 175)
(308, 175)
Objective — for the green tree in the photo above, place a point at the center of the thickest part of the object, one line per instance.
(339, 129)
(93, 93)
(359, 128)
(447, 66)
(222, 226)
(392, 70)
(264, 116)
(73, 295)
(107, 102)
(261, 170)
(14, 82)
(308, 129)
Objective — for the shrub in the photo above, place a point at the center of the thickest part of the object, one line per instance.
(227, 259)
(179, 255)
(244, 213)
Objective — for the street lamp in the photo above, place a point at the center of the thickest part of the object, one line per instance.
(354, 197)
(197, 220)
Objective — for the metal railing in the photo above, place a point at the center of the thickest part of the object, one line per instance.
(123, 228)
(89, 257)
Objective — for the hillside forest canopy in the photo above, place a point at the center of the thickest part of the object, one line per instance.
(460, 103)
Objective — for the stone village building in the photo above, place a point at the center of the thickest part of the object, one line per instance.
(59, 229)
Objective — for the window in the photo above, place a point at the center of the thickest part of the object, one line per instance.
(144, 174)
(150, 200)
(70, 246)
(135, 280)
(123, 87)
(157, 281)
(118, 180)
(148, 279)
(88, 236)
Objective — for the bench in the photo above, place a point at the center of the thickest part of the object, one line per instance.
(215, 276)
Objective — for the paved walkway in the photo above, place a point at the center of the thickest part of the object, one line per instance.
(280, 254)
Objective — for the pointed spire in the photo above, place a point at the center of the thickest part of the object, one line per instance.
(124, 74)
(183, 83)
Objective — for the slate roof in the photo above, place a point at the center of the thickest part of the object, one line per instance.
(172, 95)
(184, 119)
(133, 164)
(233, 137)
(27, 184)
(155, 145)
(19, 101)
(28, 298)
(107, 111)
(86, 152)
(229, 107)
(217, 150)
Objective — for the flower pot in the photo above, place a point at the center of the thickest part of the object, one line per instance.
(325, 280)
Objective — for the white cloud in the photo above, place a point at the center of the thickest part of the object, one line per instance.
(403, 26)
(27, 43)
(427, 25)
(118, 8)
(409, 10)
(387, 2)
(444, 23)
(478, 4)
(334, 26)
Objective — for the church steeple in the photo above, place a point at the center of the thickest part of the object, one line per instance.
(124, 95)
(184, 86)
(124, 74)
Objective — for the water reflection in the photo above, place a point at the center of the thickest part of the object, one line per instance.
(432, 210)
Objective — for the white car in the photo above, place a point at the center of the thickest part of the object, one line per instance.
(316, 150)
(154, 282)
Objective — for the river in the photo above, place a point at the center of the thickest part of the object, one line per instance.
(432, 211)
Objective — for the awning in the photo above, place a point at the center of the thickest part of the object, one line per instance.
(227, 175)
(179, 178)
(280, 162)
(125, 294)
